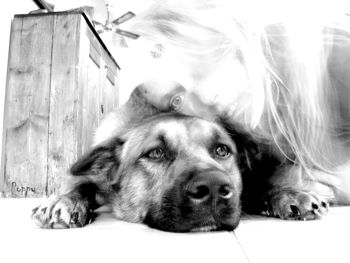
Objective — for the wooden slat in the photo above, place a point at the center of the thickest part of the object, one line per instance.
(92, 101)
(108, 72)
(90, 65)
(111, 76)
(63, 100)
(27, 107)
(110, 90)
(15, 44)
(108, 97)
(102, 87)
(83, 58)
(95, 55)
(116, 92)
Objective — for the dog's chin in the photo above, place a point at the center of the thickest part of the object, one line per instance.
(197, 228)
(204, 228)
(212, 227)
(185, 226)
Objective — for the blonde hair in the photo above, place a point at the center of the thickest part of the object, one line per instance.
(288, 94)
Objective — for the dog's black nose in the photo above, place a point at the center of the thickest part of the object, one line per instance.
(205, 185)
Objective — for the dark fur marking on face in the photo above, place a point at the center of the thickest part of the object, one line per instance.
(169, 149)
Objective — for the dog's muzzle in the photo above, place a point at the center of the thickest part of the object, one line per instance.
(205, 201)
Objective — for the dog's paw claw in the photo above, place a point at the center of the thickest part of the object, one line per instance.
(35, 210)
(287, 203)
(295, 211)
(61, 212)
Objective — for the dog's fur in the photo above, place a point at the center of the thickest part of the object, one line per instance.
(163, 169)
(156, 173)
(280, 93)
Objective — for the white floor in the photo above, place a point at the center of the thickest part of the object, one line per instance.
(257, 239)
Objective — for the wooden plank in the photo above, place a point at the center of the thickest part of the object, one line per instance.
(111, 64)
(63, 100)
(102, 86)
(95, 55)
(15, 43)
(109, 90)
(93, 84)
(13, 59)
(92, 101)
(27, 106)
(108, 97)
(83, 58)
(111, 76)
(116, 91)
(96, 83)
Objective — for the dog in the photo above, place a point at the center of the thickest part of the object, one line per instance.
(177, 173)
(173, 172)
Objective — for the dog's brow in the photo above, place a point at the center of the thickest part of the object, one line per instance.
(213, 139)
(205, 135)
(164, 140)
(217, 137)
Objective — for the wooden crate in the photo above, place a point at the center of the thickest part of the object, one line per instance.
(61, 81)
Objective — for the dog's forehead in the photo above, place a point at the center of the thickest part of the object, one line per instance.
(183, 128)
(179, 129)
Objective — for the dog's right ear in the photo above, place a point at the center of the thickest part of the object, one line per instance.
(99, 160)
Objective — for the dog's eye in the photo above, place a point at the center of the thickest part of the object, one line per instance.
(156, 154)
(222, 151)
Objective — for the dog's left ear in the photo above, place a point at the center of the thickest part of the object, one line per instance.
(99, 160)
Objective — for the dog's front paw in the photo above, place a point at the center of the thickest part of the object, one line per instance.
(62, 212)
(289, 203)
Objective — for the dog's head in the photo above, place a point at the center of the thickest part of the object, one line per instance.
(172, 172)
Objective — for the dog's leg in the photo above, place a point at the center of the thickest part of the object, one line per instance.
(70, 210)
(296, 195)
(93, 173)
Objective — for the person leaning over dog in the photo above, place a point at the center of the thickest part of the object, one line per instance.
(151, 97)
